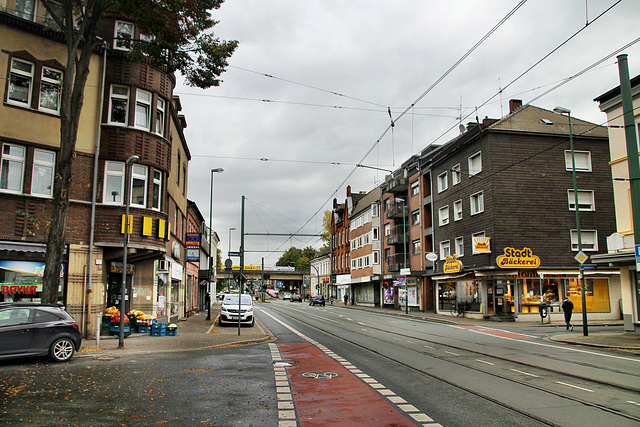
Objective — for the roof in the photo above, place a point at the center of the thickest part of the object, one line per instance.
(538, 120)
(365, 202)
(616, 91)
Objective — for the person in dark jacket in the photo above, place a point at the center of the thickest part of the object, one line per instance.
(567, 307)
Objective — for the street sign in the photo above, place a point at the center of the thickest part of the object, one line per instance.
(405, 272)
(234, 253)
(581, 257)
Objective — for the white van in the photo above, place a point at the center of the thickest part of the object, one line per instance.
(229, 310)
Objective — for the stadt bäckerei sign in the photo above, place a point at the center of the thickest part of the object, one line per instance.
(518, 258)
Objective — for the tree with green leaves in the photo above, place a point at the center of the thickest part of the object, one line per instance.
(179, 38)
(326, 229)
(298, 258)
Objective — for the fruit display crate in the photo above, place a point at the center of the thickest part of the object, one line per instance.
(159, 329)
(115, 330)
(143, 328)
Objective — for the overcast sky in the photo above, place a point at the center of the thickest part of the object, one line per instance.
(312, 80)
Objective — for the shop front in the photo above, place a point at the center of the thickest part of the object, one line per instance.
(114, 288)
(21, 281)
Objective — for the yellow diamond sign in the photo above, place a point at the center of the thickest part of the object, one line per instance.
(581, 257)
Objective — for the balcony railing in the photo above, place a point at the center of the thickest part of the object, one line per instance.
(397, 211)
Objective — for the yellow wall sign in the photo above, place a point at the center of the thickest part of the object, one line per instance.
(518, 258)
(452, 265)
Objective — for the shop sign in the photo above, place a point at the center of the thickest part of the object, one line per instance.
(18, 289)
(452, 265)
(116, 267)
(481, 245)
(193, 239)
(30, 268)
(518, 258)
(193, 254)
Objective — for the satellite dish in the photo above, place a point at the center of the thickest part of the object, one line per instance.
(462, 128)
(431, 256)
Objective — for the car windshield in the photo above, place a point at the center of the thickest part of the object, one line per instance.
(233, 299)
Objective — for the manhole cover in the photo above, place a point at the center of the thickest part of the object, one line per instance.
(284, 363)
(321, 375)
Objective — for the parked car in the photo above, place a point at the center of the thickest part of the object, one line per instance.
(30, 329)
(296, 297)
(229, 310)
(286, 296)
(317, 300)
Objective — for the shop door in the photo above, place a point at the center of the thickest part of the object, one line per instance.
(114, 290)
(503, 301)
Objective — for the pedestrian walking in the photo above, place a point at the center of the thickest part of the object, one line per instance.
(567, 307)
(346, 298)
(352, 300)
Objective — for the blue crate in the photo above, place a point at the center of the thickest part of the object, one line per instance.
(143, 328)
(172, 332)
(159, 333)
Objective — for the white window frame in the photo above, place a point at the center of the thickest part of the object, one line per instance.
(415, 188)
(568, 162)
(586, 200)
(456, 174)
(443, 182)
(589, 240)
(111, 172)
(44, 167)
(415, 217)
(29, 15)
(157, 188)
(139, 176)
(12, 161)
(143, 109)
(120, 97)
(53, 83)
(160, 116)
(445, 249)
(457, 210)
(374, 209)
(459, 246)
(416, 246)
(476, 201)
(118, 35)
(474, 236)
(18, 73)
(375, 233)
(476, 158)
(443, 215)
(387, 229)
(376, 257)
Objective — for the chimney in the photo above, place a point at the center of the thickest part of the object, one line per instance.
(348, 191)
(514, 104)
(486, 122)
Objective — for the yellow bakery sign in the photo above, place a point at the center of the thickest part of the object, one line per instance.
(518, 258)
(452, 265)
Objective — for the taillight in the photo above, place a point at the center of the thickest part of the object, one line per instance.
(76, 325)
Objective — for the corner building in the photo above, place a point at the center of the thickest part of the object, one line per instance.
(140, 116)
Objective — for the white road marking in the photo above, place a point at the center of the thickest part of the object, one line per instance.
(525, 373)
(574, 386)
(451, 352)
(484, 361)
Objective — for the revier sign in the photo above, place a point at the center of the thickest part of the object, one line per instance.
(518, 258)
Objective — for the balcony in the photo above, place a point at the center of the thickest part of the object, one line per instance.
(398, 236)
(397, 185)
(397, 211)
(396, 261)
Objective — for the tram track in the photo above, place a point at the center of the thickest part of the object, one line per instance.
(306, 319)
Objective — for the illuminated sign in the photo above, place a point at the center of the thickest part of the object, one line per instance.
(193, 239)
(518, 258)
(452, 265)
(481, 245)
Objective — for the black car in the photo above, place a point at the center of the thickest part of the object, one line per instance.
(296, 297)
(29, 329)
(317, 300)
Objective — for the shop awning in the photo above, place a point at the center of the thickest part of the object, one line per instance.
(453, 276)
(23, 247)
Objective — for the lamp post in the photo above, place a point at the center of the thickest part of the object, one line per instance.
(404, 251)
(562, 111)
(127, 197)
(210, 239)
(229, 255)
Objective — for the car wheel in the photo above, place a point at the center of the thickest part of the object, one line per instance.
(62, 350)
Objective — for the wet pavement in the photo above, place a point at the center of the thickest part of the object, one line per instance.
(196, 332)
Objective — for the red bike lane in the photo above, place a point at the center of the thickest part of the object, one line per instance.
(326, 393)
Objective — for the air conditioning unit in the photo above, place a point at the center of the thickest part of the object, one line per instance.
(163, 265)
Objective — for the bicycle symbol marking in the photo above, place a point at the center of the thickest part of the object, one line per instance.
(321, 375)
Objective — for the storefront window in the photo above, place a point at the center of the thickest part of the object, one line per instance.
(161, 310)
(469, 293)
(175, 287)
(596, 294)
(21, 281)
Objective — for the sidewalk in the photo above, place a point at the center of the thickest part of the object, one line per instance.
(196, 332)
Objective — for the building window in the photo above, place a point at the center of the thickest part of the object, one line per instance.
(20, 82)
(456, 175)
(184, 180)
(583, 161)
(443, 215)
(26, 9)
(119, 105)
(178, 170)
(475, 164)
(139, 186)
(374, 233)
(374, 209)
(143, 109)
(113, 183)
(457, 210)
(50, 90)
(387, 229)
(12, 168)
(442, 182)
(445, 249)
(477, 237)
(123, 35)
(589, 240)
(477, 203)
(415, 217)
(415, 188)
(417, 246)
(459, 243)
(387, 255)
(387, 204)
(586, 201)
(157, 190)
(42, 177)
(376, 257)
(160, 117)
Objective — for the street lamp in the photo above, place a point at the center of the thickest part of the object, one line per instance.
(210, 239)
(562, 111)
(404, 250)
(127, 197)
(229, 255)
